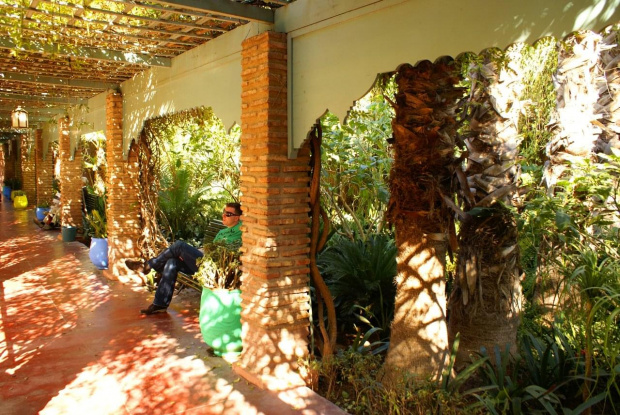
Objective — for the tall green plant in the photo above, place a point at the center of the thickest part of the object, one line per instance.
(360, 275)
(356, 160)
(94, 163)
(181, 205)
(198, 141)
(97, 225)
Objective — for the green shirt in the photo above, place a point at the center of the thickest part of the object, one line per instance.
(229, 235)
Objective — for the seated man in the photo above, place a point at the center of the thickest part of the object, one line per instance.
(181, 256)
(52, 217)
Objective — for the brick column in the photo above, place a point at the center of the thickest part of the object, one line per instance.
(275, 299)
(9, 160)
(44, 171)
(70, 178)
(16, 159)
(2, 166)
(123, 206)
(28, 169)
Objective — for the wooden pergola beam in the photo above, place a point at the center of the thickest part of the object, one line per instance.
(35, 111)
(89, 53)
(79, 83)
(51, 100)
(225, 8)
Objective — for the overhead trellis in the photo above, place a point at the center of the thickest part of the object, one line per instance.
(75, 49)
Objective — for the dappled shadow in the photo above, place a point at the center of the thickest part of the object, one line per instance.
(72, 342)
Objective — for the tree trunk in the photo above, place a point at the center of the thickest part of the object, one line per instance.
(486, 299)
(577, 126)
(424, 130)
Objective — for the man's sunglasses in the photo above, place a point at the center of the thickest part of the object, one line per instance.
(229, 214)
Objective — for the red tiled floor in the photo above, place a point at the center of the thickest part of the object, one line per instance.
(72, 342)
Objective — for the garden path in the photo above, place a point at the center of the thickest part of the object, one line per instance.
(73, 342)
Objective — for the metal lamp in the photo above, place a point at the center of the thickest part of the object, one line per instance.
(19, 118)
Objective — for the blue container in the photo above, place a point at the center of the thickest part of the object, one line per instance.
(6, 191)
(99, 252)
(220, 320)
(41, 212)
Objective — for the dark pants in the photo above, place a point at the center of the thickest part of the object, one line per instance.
(180, 256)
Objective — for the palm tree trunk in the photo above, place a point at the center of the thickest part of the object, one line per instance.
(486, 299)
(577, 126)
(424, 130)
(609, 93)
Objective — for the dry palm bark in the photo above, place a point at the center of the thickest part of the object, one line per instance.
(424, 130)
(608, 104)
(577, 126)
(486, 300)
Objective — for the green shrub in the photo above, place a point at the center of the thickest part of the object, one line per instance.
(360, 276)
(181, 206)
(97, 225)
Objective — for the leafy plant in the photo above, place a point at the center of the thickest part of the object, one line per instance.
(356, 160)
(503, 392)
(360, 275)
(181, 205)
(97, 226)
(220, 267)
(44, 204)
(94, 163)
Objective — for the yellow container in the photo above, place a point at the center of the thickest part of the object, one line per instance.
(20, 202)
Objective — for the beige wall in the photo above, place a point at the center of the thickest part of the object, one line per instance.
(337, 48)
(208, 75)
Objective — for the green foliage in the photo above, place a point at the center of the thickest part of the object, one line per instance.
(581, 215)
(220, 267)
(538, 98)
(181, 205)
(200, 162)
(356, 161)
(94, 163)
(604, 321)
(548, 373)
(360, 275)
(353, 380)
(97, 226)
(503, 390)
(44, 204)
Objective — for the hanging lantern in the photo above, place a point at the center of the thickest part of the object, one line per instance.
(19, 118)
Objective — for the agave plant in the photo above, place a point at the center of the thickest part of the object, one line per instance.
(361, 275)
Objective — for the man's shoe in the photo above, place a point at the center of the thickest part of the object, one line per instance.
(135, 266)
(153, 309)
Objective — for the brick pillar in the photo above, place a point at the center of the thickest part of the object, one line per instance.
(123, 207)
(9, 160)
(28, 167)
(16, 159)
(2, 166)
(70, 178)
(44, 171)
(275, 299)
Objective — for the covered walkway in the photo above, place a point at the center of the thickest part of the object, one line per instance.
(72, 342)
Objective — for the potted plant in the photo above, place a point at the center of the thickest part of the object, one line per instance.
(11, 186)
(6, 188)
(97, 229)
(41, 210)
(20, 201)
(219, 272)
